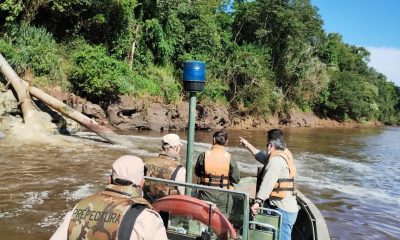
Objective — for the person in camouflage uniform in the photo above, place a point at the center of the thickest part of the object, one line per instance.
(118, 212)
(166, 165)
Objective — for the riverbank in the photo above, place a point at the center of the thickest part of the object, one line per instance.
(296, 119)
(144, 114)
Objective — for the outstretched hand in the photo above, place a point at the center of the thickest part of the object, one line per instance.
(243, 142)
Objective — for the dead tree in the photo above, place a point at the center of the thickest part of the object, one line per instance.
(24, 99)
(24, 91)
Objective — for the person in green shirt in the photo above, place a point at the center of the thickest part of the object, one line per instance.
(215, 167)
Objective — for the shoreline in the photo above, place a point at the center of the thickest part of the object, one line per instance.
(299, 120)
(133, 114)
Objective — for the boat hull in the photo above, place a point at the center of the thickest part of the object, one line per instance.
(310, 224)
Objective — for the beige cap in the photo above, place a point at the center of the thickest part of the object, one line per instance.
(128, 167)
(171, 139)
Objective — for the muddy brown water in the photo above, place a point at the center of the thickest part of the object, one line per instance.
(352, 175)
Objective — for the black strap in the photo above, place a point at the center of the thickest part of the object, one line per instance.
(175, 172)
(280, 180)
(283, 189)
(211, 184)
(174, 176)
(215, 180)
(259, 178)
(126, 227)
(219, 177)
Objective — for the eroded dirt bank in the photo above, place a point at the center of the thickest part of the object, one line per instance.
(139, 114)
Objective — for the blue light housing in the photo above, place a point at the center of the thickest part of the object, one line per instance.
(194, 76)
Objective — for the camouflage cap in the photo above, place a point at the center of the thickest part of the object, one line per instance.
(128, 167)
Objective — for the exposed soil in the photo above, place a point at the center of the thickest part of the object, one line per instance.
(143, 114)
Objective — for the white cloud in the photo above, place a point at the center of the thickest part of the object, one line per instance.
(387, 61)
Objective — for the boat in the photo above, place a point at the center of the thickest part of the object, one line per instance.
(186, 217)
(310, 224)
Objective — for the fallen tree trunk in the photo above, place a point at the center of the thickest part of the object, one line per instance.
(24, 99)
(80, 118)
(24, 91)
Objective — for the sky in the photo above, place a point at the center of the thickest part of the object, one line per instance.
(373, 24)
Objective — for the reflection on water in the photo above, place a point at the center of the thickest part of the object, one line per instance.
(349, 174)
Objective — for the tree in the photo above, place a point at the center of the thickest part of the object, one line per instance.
(352, 97)
(292, 30)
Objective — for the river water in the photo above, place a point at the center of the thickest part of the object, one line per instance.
(352, 175)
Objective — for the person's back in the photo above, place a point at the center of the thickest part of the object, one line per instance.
(119, 211)
(216, 168)
(167, 166)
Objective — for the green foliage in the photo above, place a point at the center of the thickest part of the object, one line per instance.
(215, 90)
(351, 96)
(99, 76)
(164, 83)
(33, 49)
(108, 22)
(314, 81)
(146, 86)
(250, 79)
(11, 55)
(10, 10)
(387, 98)
(289, 28)
(156, 40)
(340, 56)
(263, 57)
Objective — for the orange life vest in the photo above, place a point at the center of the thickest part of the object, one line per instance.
(216, 167)
(284, 185)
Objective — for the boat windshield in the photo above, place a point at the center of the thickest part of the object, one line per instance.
(193, 211)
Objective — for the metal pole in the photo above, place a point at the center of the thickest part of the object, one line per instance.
(190, 140)
(246, 216)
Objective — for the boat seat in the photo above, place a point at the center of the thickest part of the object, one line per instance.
(266, 224)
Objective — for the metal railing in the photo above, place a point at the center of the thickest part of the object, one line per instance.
(244, 195)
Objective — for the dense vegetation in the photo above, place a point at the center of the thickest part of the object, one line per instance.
(263, 56)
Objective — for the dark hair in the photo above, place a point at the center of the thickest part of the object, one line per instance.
(221, 137)
(279, 143)
(274, 134)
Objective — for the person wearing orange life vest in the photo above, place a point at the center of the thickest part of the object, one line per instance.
(216, 168)
(118, 212)
(166, 165)
(275, 186)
